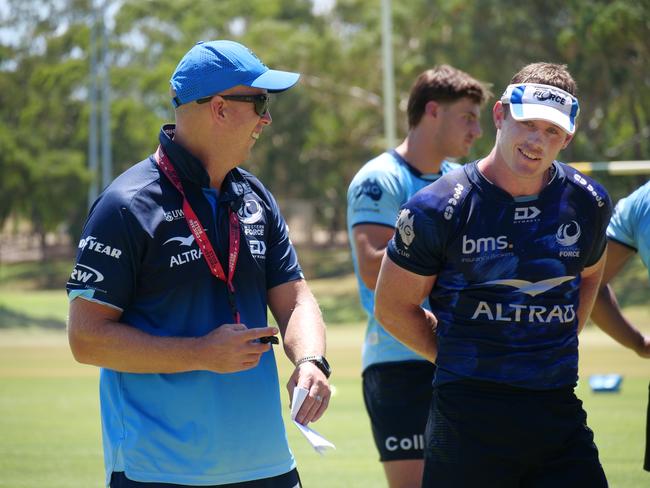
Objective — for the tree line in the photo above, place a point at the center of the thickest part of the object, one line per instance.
(327, 127)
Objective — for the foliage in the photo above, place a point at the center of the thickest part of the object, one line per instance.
(324, 130)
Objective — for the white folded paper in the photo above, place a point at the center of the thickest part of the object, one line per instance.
(317, 441)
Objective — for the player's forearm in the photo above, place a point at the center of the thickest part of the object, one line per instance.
(607, 315)
(300, 320)
(589, 285)
(413, 326)
(369, 267)
(118, 346)
(304, 335)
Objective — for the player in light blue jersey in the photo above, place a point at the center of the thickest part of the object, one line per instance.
(509, 250)
(443, 116)
(179, 261)
(628, 233)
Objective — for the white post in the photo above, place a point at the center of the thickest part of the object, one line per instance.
(107, 162)
(93, 156)
(389, 80)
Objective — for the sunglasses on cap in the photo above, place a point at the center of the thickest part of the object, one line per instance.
(261, 101)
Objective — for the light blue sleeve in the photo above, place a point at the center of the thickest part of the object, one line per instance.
(630, 223)
(626, 219)
(375, 196)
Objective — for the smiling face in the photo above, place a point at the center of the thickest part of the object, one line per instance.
(244, 125)
(526, 149)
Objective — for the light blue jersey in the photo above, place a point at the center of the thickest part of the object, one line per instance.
(375, 196)
(630, 224)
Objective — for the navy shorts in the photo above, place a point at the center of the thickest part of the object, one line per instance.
(287, 480)
(497, 436)
(397, 397)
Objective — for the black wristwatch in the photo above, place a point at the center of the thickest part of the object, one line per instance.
(319, 361)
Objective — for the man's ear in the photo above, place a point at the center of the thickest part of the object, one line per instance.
(431, 108)
(499, 114)
(218, 108)
(568, 139)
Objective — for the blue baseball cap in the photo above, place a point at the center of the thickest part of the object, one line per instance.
(211, 67)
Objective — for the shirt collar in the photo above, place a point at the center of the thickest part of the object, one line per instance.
(189, 168)
(414, 171)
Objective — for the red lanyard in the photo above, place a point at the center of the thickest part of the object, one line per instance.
(202, 239)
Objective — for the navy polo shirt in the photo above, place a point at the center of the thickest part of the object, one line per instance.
(138, 255)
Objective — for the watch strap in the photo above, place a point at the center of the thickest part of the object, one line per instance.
(319, 361)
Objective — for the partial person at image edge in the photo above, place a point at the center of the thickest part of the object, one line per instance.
(628, 233)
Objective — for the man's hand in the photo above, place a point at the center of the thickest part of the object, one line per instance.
(234, 347)
(644, 350)
(308, 376)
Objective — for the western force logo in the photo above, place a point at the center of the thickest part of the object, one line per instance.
(553, 96)
(371, 189)
(526, 213)
(405, 227)
(568, 234)
(255, 230)
(453, 201)
(84, 274)
(250, 212)
(93, 244)
(529, 287)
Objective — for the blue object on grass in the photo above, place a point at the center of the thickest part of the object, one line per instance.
(605, 382)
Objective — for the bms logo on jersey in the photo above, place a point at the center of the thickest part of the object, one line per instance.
(567, 236)
(483, 248)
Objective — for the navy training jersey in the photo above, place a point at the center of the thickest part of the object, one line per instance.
(508, 272)
(138, 255)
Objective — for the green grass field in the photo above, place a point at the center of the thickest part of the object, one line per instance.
(49, 411)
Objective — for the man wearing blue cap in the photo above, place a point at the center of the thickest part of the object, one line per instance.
(509, 250)
(178, 261)
(628, 233)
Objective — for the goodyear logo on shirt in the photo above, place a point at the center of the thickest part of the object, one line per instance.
(93, 244)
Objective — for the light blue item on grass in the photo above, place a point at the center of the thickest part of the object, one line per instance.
(610, 383)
